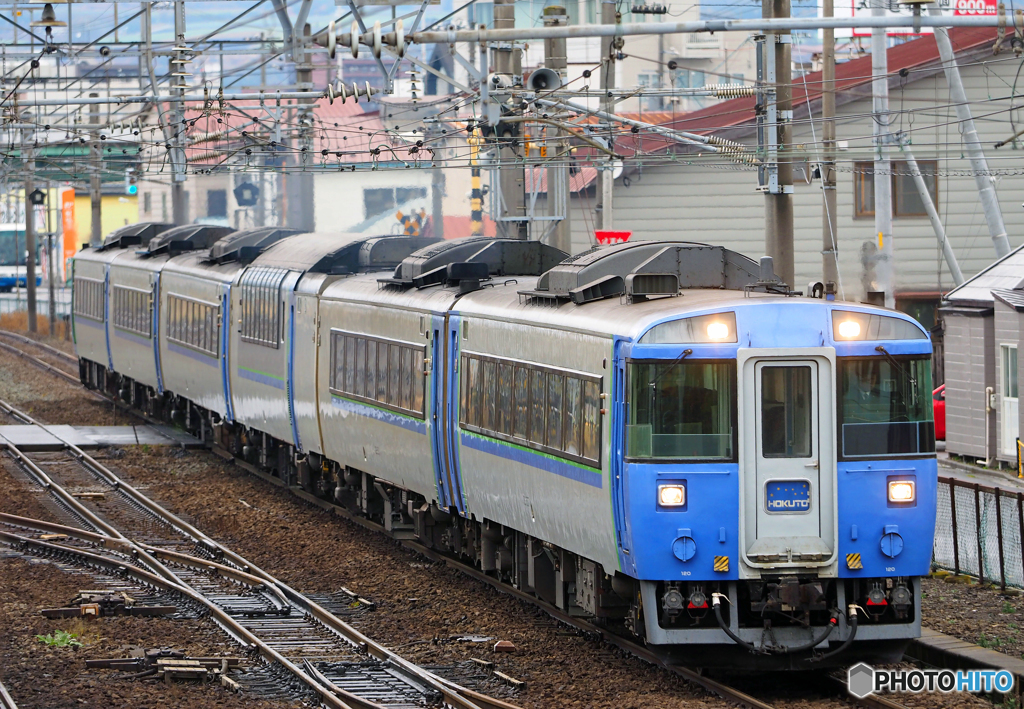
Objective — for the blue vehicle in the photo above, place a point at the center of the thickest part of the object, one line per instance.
(12, 257)
(658, 435)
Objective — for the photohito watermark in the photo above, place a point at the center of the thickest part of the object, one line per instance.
(863, 680)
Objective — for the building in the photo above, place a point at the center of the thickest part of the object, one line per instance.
(670, 190)
(982, 320)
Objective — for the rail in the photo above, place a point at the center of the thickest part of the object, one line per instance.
(107, 536)
(6, 702)
(978, 532)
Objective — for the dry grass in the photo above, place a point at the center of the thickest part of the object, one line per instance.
(18, 322)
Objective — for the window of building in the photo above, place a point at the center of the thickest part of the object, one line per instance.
(132, 310)
(147, 202)
(536, 406)
(217, 203)
(387, 373)
(649, 80)
(88, 298)
(260, 301)
(193, 323)
(906, 199)
(379, 201)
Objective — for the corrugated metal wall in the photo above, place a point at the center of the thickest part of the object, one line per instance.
(721, 205)
(970, 367)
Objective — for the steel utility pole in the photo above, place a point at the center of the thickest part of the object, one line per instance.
(30, 231)
(883, 166)
(778, 235)
(301, 202)
(51, 271)
(605, 217)
(555, 59)
(972, 143)
(96, 177)
(512, 180)
(830, 221)
(177, 154)
(437, 184)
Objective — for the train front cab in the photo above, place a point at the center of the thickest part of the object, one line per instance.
(779, 464)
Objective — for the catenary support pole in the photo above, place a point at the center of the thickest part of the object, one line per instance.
(556, 60)
(779, 205)
(830, 219)
(883, 262)
(51, 259)
(30, 231)
(971, 142)
(95, 177)
(605, 217)
(512, 180)
(179, 207)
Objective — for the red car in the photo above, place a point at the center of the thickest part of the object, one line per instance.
(939, 404)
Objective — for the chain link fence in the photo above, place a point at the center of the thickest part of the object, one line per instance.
(978, 531)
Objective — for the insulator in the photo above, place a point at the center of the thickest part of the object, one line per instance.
(353, 40)
(332, 40)
(729, 90)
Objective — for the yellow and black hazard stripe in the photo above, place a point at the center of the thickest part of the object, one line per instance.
(853, 561)
(476, 196)
(721, 563)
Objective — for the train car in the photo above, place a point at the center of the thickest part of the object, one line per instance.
(133, 300)
(195, 289)
(659, 435)
(89, 280)
(274, 300)
(12, 257)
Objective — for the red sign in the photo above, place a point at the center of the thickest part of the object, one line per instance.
(67, 215)
(975, 8)
(612, 237)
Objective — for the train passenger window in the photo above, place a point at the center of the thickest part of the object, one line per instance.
(476, 388)
(359, 388)
(885, 407)
(555, 383)
(573, 415)
(382, 370)
(591, 420)
(88, 297)
(487, 405)
(417, 381)
(681, 411)
(406, 377)
(131, 310)
(349, 383)
(521, 425)
(464, 390)
(503, 417)
(371, 370)
(395, 376)
(786, 412)
(262, 318)
(538, 399)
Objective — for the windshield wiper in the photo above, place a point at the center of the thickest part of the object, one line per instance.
(685, 353)
(896, 364)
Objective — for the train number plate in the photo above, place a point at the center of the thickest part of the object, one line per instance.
(787, 496)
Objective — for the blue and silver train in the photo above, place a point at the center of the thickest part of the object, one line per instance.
(658, 435)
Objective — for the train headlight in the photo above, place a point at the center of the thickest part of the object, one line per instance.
(671, 495)
(902, 491)
(849, 329)
(718, 331)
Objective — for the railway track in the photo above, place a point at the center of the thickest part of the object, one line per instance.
(121, 531)
(283, 631)
(5, 699)
(70, 375)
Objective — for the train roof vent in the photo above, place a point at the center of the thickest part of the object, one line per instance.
(244, 246)
(186, 238)
(379, 253)
(133, 235)
(440, 264)
(643, 270)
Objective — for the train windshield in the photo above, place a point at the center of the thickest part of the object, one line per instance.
(885, 407)
(681, 410)
(12, 246)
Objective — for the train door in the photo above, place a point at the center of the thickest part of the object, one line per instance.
(789, 437)
(452, 477)
(224, 328)
(437, 421)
